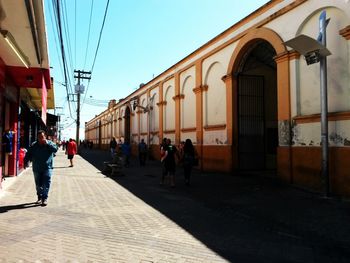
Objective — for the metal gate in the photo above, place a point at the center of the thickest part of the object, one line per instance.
(251, 123)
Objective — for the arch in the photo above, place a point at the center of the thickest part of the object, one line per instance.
(127, 124)
(214, 99)
(184, 83)
(308, 81)
(117, 131)
(242, 51)
(344, 15)
(244, 44)
(154, 113)
(212, 65)
(169, 109)
(167, 90)
(188, 103)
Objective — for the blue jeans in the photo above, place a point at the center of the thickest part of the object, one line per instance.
(42, 183)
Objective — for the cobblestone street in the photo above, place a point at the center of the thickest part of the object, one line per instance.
(94, 218)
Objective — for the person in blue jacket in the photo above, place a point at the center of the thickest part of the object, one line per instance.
(7, 140)
(41, 154)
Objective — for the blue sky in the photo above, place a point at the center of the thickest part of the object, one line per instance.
(140, 40)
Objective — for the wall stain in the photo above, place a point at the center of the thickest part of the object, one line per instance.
(336, 138)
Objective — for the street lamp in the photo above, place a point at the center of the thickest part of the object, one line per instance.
(316, 51)
(310, 48)
(146, 109)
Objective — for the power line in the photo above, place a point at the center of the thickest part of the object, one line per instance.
(75, 33)
(88, 38)
(98, 46)
(99, 39)
(67, 36)
(57, 6)
(54, 28)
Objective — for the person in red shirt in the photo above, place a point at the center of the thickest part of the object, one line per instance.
(71, 150)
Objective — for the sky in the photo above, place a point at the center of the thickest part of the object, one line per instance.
(140, 40)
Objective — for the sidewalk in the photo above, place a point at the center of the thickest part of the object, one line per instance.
(131, 218)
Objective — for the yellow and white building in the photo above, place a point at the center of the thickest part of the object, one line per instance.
(248, 101)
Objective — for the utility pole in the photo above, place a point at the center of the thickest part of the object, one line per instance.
(323, 22)
(79, 74)
(316, 51)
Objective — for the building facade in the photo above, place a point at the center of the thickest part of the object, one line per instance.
(248, 101)
(26, 90)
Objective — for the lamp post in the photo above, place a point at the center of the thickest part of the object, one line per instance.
(316, 51)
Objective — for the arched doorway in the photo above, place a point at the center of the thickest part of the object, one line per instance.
(127, 128)
(257, 124)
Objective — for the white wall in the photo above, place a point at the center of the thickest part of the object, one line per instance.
(338, 67)
(169, 108)
(188, 104)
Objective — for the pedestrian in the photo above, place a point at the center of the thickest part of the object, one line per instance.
(64, 145)
(180, 153)
(41, 154)
(119, 146)
(113, 147)
(189, 157)
(162, 155)
(169, 162)
(126, 150)
(71, 151)
(7, 141)
(142, 152)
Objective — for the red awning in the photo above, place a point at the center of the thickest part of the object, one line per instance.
(29, 77)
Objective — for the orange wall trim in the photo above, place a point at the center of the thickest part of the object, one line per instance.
(345, 32)
(334, 116)
(215, 127)
(169, 131)
(193, 129)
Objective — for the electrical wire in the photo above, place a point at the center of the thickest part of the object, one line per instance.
(67, 36)
(97, 48)
(88, 38)
(63, 37)
(99, 39)
(58, 14)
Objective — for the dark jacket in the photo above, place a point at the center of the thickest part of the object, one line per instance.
(41, 156)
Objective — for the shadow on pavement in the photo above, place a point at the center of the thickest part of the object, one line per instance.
(244, 218)
(4, 209)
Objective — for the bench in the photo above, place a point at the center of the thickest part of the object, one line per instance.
(113, 167)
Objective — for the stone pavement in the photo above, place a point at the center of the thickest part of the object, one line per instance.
(219, 218)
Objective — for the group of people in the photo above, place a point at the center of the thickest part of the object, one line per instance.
(42, 152)
(186, 155)
(125, 149)
(120, 148)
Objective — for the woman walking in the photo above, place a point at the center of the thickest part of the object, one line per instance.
(189, 156)
(113, 147)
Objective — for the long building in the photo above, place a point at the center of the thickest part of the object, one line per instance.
(248, 101)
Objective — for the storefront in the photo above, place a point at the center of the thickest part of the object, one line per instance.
(25, 82)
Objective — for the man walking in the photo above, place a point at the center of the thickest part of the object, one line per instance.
(142, 152)
(41, 154)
